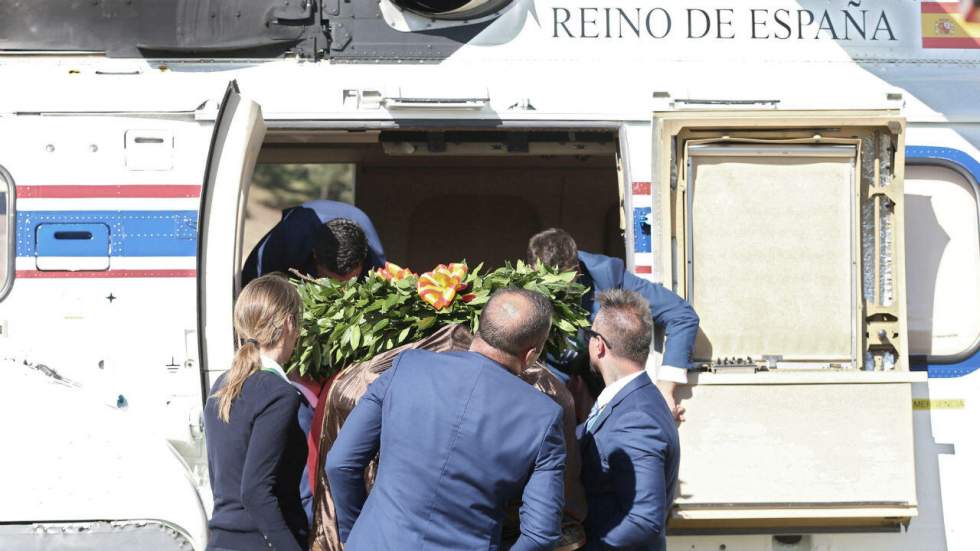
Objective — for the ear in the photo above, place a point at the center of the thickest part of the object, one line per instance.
(600, 347)
(531, 356)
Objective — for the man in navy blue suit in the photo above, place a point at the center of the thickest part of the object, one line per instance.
(460, 436)
(555, 247)
(630, 448)
(319, 238)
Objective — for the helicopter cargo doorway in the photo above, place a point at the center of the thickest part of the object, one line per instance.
(439, 196)
(435, 194)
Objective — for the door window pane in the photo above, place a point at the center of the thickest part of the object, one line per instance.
(942, 253)
(772, 240)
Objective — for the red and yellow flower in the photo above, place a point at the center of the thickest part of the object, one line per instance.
(439, 286)
(394, 272)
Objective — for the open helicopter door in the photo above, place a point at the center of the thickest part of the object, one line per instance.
(784, 229)
(238, 134)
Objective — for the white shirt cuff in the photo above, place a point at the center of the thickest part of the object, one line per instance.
(668, 373)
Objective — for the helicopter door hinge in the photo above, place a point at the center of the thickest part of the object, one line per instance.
(339, 37)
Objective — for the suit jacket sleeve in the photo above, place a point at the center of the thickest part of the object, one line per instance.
(544, 493)
(671, 312)
(288, 245)
(265, 449)
(356, 445)
(305, 417)
(636, 462)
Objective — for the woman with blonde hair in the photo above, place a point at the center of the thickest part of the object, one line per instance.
(256, 449)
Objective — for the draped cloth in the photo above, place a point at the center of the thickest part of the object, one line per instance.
(351, 383)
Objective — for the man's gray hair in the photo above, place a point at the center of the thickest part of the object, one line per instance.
(515, 320)
(625, 322)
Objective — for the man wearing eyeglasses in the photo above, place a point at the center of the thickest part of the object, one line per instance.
(555, 247)
(630, 448)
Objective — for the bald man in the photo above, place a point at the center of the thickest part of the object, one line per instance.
(460, 436)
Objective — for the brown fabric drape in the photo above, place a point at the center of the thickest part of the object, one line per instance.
(352, 383)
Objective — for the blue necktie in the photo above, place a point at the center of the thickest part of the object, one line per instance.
(593, 417)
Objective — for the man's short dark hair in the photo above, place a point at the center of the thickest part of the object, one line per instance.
(553, 247)
(625, 322)
(341, 246)
(515, 320)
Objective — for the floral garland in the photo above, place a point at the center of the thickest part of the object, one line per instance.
(353, 321)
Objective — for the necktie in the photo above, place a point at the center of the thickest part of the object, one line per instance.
(593, 417)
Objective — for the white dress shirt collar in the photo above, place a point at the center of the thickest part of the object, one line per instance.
(612, 390)
(268, 364)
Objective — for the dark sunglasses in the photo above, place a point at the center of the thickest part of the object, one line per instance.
(585, 335)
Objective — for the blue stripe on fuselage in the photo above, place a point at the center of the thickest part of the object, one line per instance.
(131, 232)
(642, 240)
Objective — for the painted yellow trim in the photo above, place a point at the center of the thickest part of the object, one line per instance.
(945, 403)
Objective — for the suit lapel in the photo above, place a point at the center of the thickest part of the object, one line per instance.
(639, 382)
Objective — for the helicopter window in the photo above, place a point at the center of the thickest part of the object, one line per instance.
(942, 247)
(7, 241)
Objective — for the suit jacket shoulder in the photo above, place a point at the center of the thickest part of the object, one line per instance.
(647, 400)
(639, 397)
(460, 363)
(607, 272)
(642, 419)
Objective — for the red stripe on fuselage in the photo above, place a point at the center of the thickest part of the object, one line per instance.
(37, 274)
(641, 188)
(109, 192)
(643, 270)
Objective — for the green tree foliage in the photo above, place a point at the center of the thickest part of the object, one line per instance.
(291, 184)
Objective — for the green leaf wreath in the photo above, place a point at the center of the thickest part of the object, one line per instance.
(352, 321)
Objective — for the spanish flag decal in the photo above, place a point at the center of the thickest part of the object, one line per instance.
(943, 26)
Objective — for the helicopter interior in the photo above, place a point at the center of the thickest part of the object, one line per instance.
(445, 196)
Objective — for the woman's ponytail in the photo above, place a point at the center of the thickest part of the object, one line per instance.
(246, 362)
(261, 313)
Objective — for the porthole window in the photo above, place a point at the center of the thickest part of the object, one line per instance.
(942, 252)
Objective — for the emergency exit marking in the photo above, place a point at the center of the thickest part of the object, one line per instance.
(925, 403)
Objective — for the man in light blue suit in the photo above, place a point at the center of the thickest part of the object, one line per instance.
(555, 247)
(630, 448)
(460, 437)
